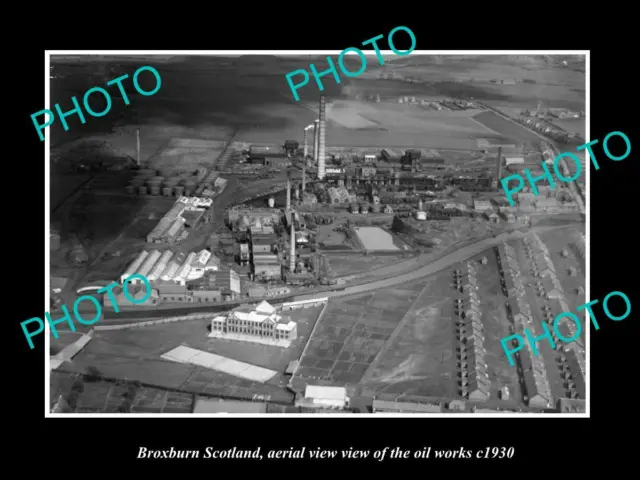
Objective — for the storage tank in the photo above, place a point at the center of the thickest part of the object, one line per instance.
(154, 189)
(136, 182)
(178, 191)
(166, 191)
(130, 189)
(142, 190)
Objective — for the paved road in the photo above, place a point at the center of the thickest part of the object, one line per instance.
(436, 266)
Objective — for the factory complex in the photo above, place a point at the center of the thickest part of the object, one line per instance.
(404, 231)
(179, 278)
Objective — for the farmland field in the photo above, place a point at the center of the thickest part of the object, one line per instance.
(505, 127)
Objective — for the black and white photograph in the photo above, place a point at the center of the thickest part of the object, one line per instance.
(228, 238)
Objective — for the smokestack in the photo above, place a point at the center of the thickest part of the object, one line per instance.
(304, 177)
(321, 139)
(315, 141)
(499, 167)
(306, 145)
(292, 250)
(288, 193)
(138, 146)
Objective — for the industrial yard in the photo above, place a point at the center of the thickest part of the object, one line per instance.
(226, 195)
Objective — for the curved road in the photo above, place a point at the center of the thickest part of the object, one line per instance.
(436, 266)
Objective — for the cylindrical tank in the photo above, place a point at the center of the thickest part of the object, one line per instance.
(142, 190)
(154, 190)
(130, 189)
(166, 191)
(272, 202)
(136, 182)
(157, 178)
(178, 191)
(375, 208)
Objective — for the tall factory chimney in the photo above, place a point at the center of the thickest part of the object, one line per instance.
(321, 139)
(499, 166)
(292, 249)
(304, 177)
(138, 146)
(306, 144)
(315, 141)
(288, 193)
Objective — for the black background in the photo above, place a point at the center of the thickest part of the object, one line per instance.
(544, 446)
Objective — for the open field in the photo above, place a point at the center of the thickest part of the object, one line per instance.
(350, 335)
(342, 265)
(572, 126)
(107, 397)
(505, 127)
(416, 360)
(135, 354)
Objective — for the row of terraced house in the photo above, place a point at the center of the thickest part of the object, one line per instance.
(571, 355)
(531, 368)
(475, 383)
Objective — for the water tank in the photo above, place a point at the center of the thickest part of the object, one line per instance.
(178, 191)
(130, 189)
(166, 191)
(272, 202)
(136, 182)
(142, 190)
(154, 189)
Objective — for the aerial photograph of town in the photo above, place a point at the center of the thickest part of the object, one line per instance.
(352, 252)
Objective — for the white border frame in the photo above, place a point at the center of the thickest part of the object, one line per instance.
(129, 53)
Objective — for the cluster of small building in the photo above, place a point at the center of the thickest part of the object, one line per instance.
(186, 213)
(475, 383)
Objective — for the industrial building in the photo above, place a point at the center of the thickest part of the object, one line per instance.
(185, 213)
(269, 156)
(260, 324)
(167, 267)
(241, 219)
